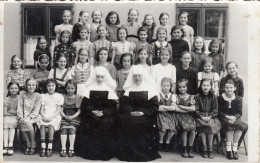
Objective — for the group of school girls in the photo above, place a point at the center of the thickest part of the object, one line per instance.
(193, 95)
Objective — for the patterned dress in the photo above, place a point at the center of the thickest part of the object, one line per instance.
(185, 121)
(213, 76)
(76, 31)
(68, 50)
(132, 30)
(218, 62)
(19, 76)
(166, 120)
(99, 44)
(43, 76)
(11, 105)
(71, 106)
(62, 27)
(207, 106)
(155, 51)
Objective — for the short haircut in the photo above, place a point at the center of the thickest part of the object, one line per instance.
(126, 55)
(181, 81)
(148, 61)
(65, 32)
(216, 41)
(12, 66)
(26, 82)
(177, 27)
(10, 84)
(120, 28)
(72, 82)
(166, 79)
(52, 81)
(109, 58)
(231, 62)
(163, 14)
(211, 92)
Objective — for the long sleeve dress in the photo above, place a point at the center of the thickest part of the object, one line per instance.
(238, 83)
(207, 106)
(138, 134)
(97, 133)
(231, 108)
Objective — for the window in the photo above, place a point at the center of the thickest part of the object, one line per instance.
(207, 20)
(39, 20)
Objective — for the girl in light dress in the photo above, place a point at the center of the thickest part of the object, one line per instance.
(83, 20)
(121, 46)
(198, 53)
(96, 21)
(102, 39)
(50, 117)
(112, 21)
(83, 42)
(66, 17)
(29, 104)
(70, 117)
(164, 18)
(183, 19)
(143, 59)
(17, 73)
(207, 73)
(10, 120)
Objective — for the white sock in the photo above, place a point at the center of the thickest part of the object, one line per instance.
(72, 140)
(228, 146)
(63, 139)
(234, 147)
(49, 145)
(43, 145)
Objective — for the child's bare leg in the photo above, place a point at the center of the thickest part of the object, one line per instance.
(191, 138)
(161, 135)
(11, 137)
(184, 138)
(6, 132)
(50, 136)
(169, 137)
(43, 135)
(32, 138)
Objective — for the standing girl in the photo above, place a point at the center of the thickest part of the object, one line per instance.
(66, 17)
(215, 47)
(143, 59)
(42, 72)
(231, 68)
(70, 117)
(96, 21)
(83, 42)
(178, 44)
(82, 70)
(17, 73)
(41, 48)
(164, 69)
(121, 46)
(50, 116)
(142, 43)
(29, 104)
(83, 20)
(185, 120)
(166, 116)
(161, 42)
(184, 71)
(150, 25)
(10, 117)
(198, 53)
(112, 21)
(230, 112)
(126, 61)
(102, 41)
(132, 26)
(207, 73)
(66, 48)
(103, 59)
(206, 113)
(188, 30)
(164, 18)
(60, 74)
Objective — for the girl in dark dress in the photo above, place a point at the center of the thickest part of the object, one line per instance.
(83, 19)
(98, 111)
(41, 48)
(230, 112)
(138, 109)
(206, 116)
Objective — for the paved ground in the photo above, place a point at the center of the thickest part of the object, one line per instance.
(166, 157)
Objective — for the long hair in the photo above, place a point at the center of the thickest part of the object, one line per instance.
(128, 19)
(153, 24)
(120, 28)
(38, 41)
(148, 61)
(72, 82)
(216, 41)
(109, 58)
(81, 13)
(126, 55)
(179, 28)
(211, 92)
(12, 66)
(112, 13)
(65, 32)
(93, 15)
(163, 14)
(181, 81)
(203, 47)
(9, 85)
(26, 83)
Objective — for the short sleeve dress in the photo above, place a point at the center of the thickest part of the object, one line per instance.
(231, 107)
(51, 102)
(185, 121)
(11, 104)
(86, 44)
(213, 76)
(68, 50)
(71, 106)
(218, 62)
(19, 76)
(207, 106)
(99, 44)
(166, 120)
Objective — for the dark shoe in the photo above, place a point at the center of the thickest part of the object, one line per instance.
(230, 155)
(49, 153)
(63, 153)
(32, 151)
(211, 155)
(204, 154)
(190, 152)
(10, 151)
(235, 155)
(71, 153)
(160, 147)
(43, 152)
(184, 152)
(27, 150)
(167, 147)
(5, 150)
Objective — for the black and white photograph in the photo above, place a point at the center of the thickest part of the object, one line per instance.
(129, 81)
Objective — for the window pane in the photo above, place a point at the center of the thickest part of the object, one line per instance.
(215, 23)
(34, 19)
(56, 17)
(193, 19)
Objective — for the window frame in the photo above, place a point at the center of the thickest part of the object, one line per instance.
(47, 31)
